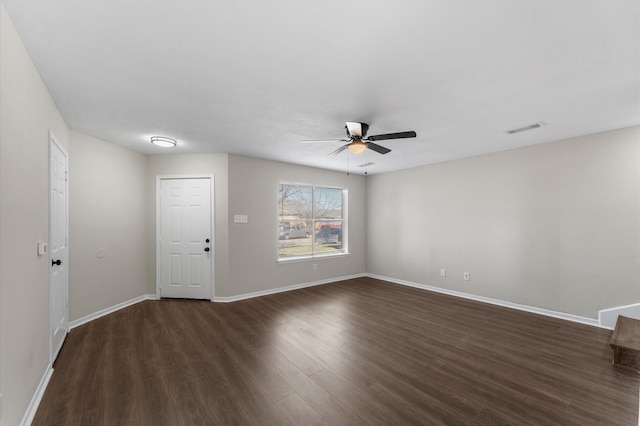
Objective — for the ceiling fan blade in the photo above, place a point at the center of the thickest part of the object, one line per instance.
(338, 151)
(400, 135)
(322, 140)
(377, 148)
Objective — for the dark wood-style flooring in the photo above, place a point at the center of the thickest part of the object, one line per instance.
(359, 352)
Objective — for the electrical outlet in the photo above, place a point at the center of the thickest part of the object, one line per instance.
(466, 276)
(315, 266)
(443, 272)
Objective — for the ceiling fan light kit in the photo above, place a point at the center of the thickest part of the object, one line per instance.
(357, 146)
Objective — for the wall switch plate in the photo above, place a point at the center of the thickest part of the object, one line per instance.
(42, 248)
(240, 218)
(466, 276)
(443, 272)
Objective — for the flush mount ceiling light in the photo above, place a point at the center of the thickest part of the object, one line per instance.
(163, 142)
(524, 129)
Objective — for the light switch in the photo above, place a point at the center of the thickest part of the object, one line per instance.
(241, 218)
(42, 248)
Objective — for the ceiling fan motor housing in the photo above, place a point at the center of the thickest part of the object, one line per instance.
(363, 129)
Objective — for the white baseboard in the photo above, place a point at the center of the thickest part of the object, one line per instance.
(608, 317)
(32, 408)
(283, 289)
(107, 311)
(606, 314)
(532, 309)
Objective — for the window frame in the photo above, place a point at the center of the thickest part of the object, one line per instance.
(344, 251)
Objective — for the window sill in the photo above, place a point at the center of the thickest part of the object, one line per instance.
(313, 257)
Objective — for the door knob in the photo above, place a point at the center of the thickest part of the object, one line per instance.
(56, 262)
(207, 249)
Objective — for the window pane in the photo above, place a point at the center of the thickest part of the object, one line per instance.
(328, 236)
(295, 202)
(328, 203)
(294, 238)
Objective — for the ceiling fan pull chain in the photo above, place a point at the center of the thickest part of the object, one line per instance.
(348, 163)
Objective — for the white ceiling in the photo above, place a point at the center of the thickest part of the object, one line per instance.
(257, 77)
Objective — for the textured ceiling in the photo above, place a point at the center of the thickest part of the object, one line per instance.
(255, 78)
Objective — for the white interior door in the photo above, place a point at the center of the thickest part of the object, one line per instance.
(185, 238)
(58, 249)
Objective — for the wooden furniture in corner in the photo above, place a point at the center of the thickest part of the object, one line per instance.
(625, 343)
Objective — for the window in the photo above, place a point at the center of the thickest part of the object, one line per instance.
(312, 221)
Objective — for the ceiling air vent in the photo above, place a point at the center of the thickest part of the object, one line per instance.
(524, 129)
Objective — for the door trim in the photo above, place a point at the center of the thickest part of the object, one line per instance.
(159, 178)
(53, 352)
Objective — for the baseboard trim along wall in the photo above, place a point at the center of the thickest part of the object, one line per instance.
(608, 317)
(32, 408)
(283, 289)
(107, 311)
(532, 309)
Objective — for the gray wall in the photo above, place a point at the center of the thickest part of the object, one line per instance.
(107, 216)
(27, 113)
(253, 190)
(554, 226)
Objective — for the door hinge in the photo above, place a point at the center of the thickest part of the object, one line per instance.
(66, 176)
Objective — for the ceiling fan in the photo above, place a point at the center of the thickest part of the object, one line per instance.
(358, 141)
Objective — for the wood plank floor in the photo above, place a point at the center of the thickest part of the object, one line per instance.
(356, 352)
